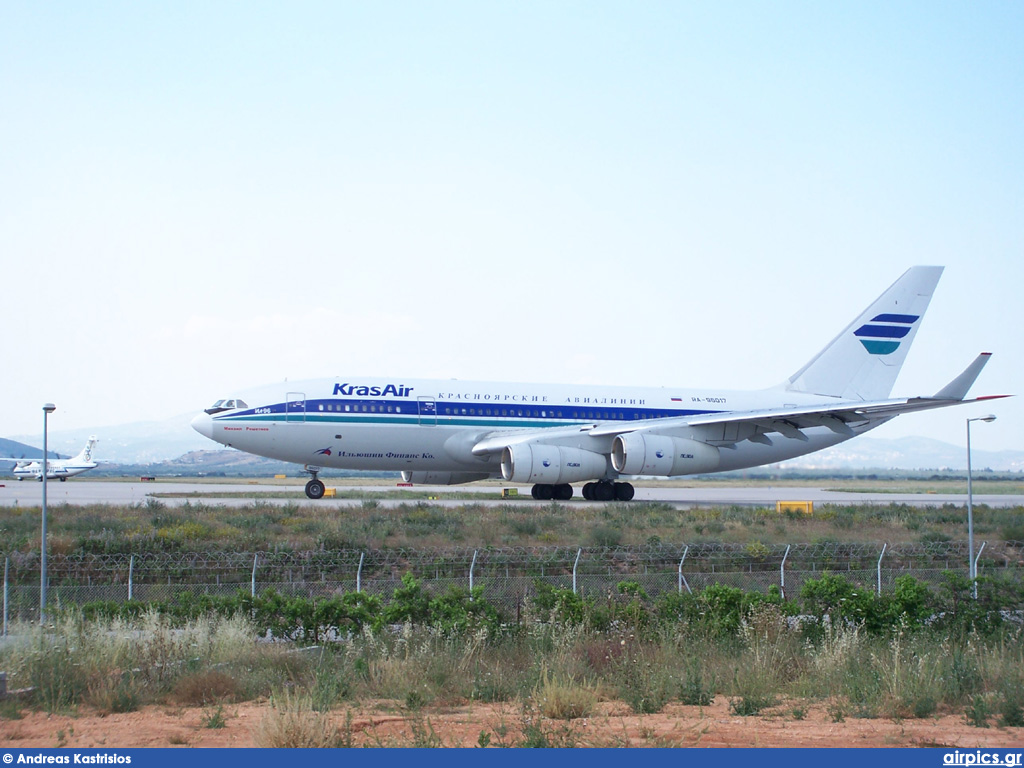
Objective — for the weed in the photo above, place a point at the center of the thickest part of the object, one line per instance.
(977, 713)
(564, 699)
(694, 688)
(199, 689)
(1011, 713)
(110, 693)
(837, 711)
(293, 723)
(751, 704)
(215, 719)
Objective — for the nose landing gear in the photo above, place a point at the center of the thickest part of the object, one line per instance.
(315, 488)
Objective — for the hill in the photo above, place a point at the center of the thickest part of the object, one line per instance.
(22, 451)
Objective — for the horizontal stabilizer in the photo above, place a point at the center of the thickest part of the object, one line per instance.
(958, 388)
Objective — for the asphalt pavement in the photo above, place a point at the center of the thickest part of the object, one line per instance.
(80, 492)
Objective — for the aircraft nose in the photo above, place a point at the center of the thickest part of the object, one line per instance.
(203, 424)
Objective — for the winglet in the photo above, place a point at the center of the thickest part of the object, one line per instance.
(957, 389)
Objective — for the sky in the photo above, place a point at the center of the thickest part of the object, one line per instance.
(196, 197)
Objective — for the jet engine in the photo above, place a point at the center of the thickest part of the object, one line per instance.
(550, 464)
(637, 453)
(443, 478)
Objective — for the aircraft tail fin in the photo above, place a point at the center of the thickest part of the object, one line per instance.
(863, 361)
(86, 454)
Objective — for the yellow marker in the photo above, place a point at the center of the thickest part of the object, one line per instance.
(807, 507)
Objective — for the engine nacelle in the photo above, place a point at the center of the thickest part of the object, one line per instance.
(550, 464)
(637, 453)
(442, 478)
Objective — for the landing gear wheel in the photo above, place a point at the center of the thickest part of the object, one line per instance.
(563, 492)
(542, 492)
(315, 489)
(624, 492)
(603, 491)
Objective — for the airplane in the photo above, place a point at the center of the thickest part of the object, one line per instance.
(56, 469)
(550, 436)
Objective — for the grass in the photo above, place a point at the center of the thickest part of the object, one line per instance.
(264, 526)
(293, 722)
(554, 674)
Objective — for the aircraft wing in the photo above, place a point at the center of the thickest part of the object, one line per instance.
(730, 427)
(789, 421)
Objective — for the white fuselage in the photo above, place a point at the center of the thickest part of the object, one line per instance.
(56, 469)
(432, 426)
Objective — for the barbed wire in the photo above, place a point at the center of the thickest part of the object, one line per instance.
(323, 565)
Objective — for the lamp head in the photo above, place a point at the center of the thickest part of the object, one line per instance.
(49, 407)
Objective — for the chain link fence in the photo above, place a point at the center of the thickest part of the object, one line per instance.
(507, 575)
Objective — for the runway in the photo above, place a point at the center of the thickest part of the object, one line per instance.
(243, 492)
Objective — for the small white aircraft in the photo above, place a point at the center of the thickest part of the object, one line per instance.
(447, 432)
(56, 469)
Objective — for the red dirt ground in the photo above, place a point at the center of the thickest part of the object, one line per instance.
(388, 724)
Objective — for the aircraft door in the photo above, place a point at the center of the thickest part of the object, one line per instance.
(428, 411)
(295, 408)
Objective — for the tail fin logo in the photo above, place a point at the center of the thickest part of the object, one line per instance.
(882, 335)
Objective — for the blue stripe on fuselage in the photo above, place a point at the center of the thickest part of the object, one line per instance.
(452, 413)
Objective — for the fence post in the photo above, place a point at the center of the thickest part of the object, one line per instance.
(782, 573)
(359, 573)
(255, 559)
(7, 562)
(578, 553)
(471, 567)
(682, 579)
(974, 584)
(886, 544)
(131, 572)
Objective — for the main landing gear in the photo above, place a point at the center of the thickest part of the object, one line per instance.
(315, 488)
(545, 492)
(605, 490)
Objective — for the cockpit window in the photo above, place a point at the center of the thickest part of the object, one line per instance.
(225, 405)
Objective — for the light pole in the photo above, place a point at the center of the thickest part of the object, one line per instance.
(47, 410)
(971, 572)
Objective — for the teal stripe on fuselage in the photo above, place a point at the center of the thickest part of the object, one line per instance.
(370, 418)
